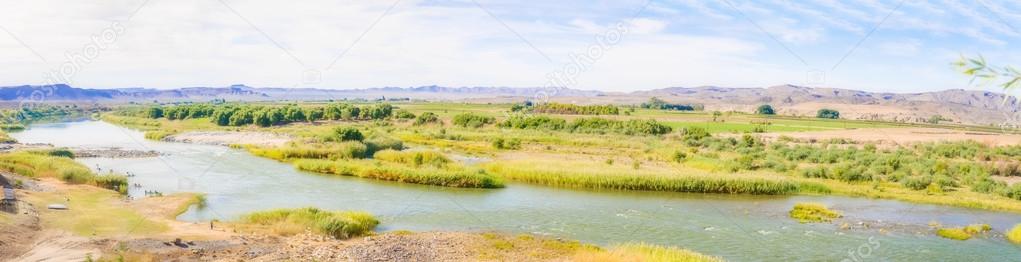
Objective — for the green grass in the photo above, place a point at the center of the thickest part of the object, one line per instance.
(339, 225)
(93, 212)
(1014, 234)
(812, 213)
(449, 176)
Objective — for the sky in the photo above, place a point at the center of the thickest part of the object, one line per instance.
(622, 45)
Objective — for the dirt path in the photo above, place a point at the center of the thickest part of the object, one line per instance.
(62, 246)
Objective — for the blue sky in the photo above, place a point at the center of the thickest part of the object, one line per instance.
(876, 45)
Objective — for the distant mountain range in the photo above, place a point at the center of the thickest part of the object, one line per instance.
(961, 106)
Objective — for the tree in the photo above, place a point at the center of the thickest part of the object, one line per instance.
(765, 110)
(828, 113)
(155, 112)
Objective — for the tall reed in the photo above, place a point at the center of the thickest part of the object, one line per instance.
(450, 177)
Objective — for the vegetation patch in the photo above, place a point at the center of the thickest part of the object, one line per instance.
(572, 109)
(426, 175)
(645, 252)
(963, 233)
(339, 225)
(813, 213)
(1014, 234)
(956, 233)
(612, 178)
(57, 164)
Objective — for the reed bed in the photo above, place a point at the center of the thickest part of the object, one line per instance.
(415, 158)
(56, 163)
(336, 224)
(449, 177)
(609, 178)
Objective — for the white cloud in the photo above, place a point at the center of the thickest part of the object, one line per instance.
(674, 43)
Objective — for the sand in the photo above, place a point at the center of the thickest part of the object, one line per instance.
(224, 138)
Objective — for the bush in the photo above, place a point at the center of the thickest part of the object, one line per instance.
(403, 114)
(347, 134)
(917, 182)
(827, 113)
(472, 120)
(427, 118)
(513, 143)
(765, 110)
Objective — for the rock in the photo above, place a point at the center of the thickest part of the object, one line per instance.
(57, 206)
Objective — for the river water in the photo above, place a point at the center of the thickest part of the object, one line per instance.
(735, 227)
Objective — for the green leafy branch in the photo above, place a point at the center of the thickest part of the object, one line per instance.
(978, 68)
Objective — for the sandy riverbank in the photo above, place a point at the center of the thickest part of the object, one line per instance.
(225, 138)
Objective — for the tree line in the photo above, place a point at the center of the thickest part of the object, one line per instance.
(656, 103)
(239, 115)
(587, 125)
(568, 109)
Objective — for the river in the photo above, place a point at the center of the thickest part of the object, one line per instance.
(735, 227)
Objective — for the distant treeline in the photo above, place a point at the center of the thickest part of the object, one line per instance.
(568, 109)
(239, 115)
(656, 103)
(587, 125)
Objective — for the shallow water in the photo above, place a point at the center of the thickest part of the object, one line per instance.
(736, 227)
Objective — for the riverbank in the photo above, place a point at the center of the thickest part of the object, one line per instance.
(100, 224)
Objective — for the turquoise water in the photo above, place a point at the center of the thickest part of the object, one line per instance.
(736, 227)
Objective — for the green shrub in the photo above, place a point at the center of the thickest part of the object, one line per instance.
(917, 182)
(765, 110)
(403, 114)
(827, 113)
(472, 120)
(427, 118)
(346, 134)
(500, 143)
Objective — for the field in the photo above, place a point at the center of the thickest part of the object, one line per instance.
(634, 149)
